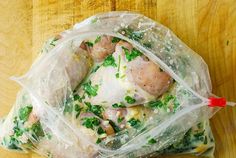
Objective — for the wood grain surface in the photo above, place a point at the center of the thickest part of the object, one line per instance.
(206, 26)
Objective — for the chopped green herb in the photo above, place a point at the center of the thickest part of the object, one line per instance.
(79, 98)
(130, 100)
(114, 126)
(99, 140)
(118, 105)
(37, 130)
(176, 104)
(205, 140)
(170, 98)
(78, 110)
(95, 69)
(160, 69)
(200, 125)
(48, 136)
(152, 141)
(29, 145)
(100, 131)
(187, 138)
(120, 119)
(167, 98)
(115, 39)
(89, 44)
(90, 122)
(117, 75)
(109, 61)
(155, 104)
(98, 39)
(199, 134)
(13, 144)
(131, 55)
(68, 108)
(24, 113)
(89, 89)
(135, 123)
(147, 45)
(130, 33)
(94, 20)
(96, 109)
(49, 155)
(227, 42)
(122, 76)
(53, 42)
(17, 131)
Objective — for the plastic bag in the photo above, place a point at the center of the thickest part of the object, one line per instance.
(76, 104)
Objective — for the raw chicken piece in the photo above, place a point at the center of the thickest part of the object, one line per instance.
(72, 68)
(102, 47)
(146, 74)
(149, 76)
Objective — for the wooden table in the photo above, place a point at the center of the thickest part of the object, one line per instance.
(208, 27)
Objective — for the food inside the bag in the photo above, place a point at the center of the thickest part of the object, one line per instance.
(116, 85)
(115, 88)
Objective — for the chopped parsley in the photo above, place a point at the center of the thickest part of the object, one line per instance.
(166, 102)
(53, 42)
(152, 141)
(79, 98)
(130, 100)
(135, 123)
(176, 104)
(130, 33)
(131, 55)
(68, 105)
(155, 104)
(94, 20)
(118, 105)
(120, 119)
(147, 45)
(48, 136)
(168, 98)
(78, 110)
(109, 61)
(24, 113)
(89, 89)
(115, 39)
(89, 44)
(118, 73)
(95, 69)
(95, 109)
(114, 126)
(17, 130)
(205, 140)
(99, 140)
(98, 39)
(100, 131)
(13, 143)
(90, 122)
(37, 130)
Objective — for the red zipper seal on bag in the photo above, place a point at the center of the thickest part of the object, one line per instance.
(217, 102)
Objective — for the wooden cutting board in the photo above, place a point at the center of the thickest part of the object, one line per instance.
(208, 27)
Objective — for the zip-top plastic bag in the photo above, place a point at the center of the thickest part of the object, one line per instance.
(117, 84)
